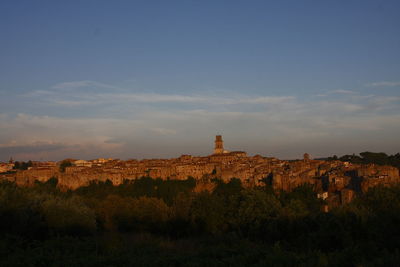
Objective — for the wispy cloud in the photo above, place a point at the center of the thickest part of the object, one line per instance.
(383, 84)
(75, 97)
(128, 123)
(338, 91)
(147, 132)
(341, 91)
(80, 84)
(33, 147)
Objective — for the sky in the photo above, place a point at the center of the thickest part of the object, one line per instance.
(158, 79)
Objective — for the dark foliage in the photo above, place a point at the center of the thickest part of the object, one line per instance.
(21, 165)
(371, 157)
(167, 190)
(151, 222)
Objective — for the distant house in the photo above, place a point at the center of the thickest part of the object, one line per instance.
(5, 167)
(82, 163)
(100, 161)
(323, 195)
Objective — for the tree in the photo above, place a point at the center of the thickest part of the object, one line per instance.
(234, 186)
(304, 195)
(150, 213)
(21, 165)
(117, 213)
(256, 207)
(64, 164)
(69, 215)
(207, 213)
(376, 158)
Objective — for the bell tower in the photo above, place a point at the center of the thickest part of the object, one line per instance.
(219, 145)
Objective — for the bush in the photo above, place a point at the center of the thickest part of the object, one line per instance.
(69, 216)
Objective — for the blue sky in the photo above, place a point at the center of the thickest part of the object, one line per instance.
(139, 79)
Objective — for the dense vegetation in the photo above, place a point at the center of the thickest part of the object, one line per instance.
(370, 157)
(21, 165)
(151, 222)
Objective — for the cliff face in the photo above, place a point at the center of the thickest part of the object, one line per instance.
(28, 177)
(326, 176)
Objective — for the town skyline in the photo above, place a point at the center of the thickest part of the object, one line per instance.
(219, 149)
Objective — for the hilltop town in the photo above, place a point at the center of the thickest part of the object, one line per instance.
(334, 180)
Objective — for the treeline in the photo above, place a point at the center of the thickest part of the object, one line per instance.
(163, 222)
(21, 165)
(370, 157)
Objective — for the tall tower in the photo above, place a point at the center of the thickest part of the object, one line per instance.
(219, 145)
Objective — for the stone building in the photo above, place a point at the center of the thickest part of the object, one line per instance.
(331, 177)
(219, 145)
